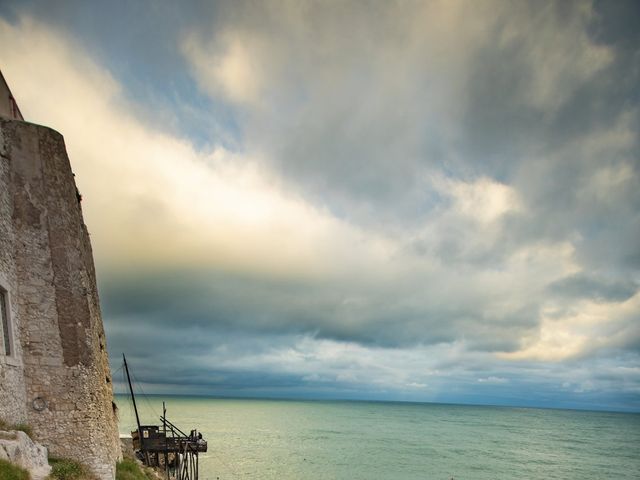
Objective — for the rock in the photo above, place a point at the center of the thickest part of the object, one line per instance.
(18, 448)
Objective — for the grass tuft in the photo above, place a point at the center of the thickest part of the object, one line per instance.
(9, 471)
(65, 469)
(129, 469)
(23, 427)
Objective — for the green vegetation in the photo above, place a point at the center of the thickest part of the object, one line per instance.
(23, 427)
(65, 469)
(9, 471)
(128, 469)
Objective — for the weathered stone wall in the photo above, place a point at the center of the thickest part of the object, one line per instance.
(8, 106)
(68, 391)
(12, 386)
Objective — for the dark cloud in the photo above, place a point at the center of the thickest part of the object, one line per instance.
(586, 286)
(378, 314)
(280, 365)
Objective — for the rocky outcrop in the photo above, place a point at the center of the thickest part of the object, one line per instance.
(18, 448)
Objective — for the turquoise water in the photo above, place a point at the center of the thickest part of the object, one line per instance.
(281, 439)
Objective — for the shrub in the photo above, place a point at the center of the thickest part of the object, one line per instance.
(9, 471)
(65, 469)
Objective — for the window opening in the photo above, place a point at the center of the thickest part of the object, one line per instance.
(4, 318)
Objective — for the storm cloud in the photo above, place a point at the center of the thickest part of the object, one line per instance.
(429, 200)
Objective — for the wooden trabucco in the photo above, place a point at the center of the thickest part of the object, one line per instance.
(165, 446)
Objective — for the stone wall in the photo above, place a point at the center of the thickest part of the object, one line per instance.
(49, 269)
(8, 106)
(13, 403)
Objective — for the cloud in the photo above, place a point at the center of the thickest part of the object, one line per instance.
(151, 198)
(364, 102)
(587, 327)
(419, 198)
(361, 109)
(581, 285)
(235, 73)
(153, 203)
(381, 102)
(493, 380)
(483, 200)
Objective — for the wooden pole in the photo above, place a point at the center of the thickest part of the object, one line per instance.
(133, 397)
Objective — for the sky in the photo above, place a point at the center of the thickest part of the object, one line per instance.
(433, 201)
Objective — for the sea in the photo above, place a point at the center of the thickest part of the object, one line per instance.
(350, 440)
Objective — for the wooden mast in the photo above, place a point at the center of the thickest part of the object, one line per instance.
(133, 397)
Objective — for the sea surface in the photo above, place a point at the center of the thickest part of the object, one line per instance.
(286, 439)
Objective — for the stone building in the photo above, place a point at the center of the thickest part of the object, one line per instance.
(54, 370)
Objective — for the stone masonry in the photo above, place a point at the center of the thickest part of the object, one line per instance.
(56, 375)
